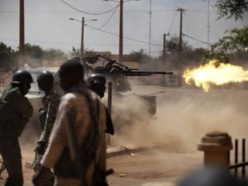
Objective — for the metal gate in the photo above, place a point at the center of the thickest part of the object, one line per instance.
(238, 169)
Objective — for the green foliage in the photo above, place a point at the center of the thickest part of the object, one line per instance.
(231, 8)
(34, 51)
(52, 54)
(7, 57)
(173, 45)
(34, 55)
(87, 53)
(139, 56)
(236, 40)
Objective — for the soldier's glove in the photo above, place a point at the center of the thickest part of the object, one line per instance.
(41, 147)
(39, 175)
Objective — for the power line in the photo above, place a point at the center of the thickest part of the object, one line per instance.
(89, 12)
(196, 39)
(109, 18)
(128, 38)
(172, 22)
(45, 42)
(130, 11)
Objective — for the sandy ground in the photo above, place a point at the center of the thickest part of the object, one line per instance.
(135, 168)
(183, 117)
(27, 158)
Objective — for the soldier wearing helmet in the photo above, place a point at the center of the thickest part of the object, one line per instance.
(15, 111)
(47, 115)
(97, 83)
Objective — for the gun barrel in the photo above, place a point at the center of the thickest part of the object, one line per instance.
(144, 73)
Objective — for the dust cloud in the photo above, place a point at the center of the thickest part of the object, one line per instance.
(183, 117)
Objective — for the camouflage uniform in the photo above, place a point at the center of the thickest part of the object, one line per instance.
(47, 117)
(15, 111)
(48, 114)
(57, 155)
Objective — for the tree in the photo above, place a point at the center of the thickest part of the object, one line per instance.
(7, 57)
(52, 54)
(34, 51)
(235, 41)
(231, 8)
(173, 45)
(139, 56)
(33, 55)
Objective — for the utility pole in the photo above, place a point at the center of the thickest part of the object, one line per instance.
(82, 34)
(21, 35)
(121, 28)
(82, 40)
(208, 25)
(180, 45)
(180, 30)
(121, 33)
(150, 27)
(164, 44)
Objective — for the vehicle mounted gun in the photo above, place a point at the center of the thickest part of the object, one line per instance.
(124, 70)
(115, 72)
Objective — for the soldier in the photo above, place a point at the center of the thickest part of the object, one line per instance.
(15, 111)
(76, 148)
(97, 83)
(47, 115)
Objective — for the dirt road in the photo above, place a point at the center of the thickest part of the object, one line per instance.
(152, 167)
(137, 168)
(183, 117)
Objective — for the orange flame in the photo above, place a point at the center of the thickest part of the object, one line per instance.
(216, 73)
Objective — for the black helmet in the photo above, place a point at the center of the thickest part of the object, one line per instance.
(22, 77)
(96, 79)
(46, 77)
(97, 83)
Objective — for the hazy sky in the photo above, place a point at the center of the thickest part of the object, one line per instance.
(47, 23)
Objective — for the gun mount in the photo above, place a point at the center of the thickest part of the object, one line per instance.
(116, 72)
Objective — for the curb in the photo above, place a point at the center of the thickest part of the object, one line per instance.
(116, 151)
(121, 150)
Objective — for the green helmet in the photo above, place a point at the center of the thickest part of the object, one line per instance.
(22, 77)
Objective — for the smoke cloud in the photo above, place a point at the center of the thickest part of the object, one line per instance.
(183, 117)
